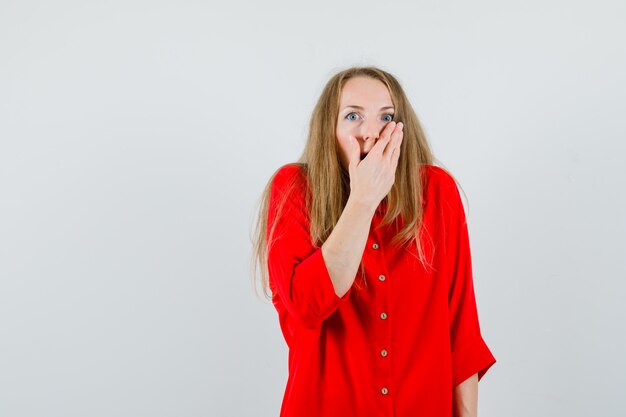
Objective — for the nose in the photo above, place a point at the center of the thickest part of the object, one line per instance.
(370, 131)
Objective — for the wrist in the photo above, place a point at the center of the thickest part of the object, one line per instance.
(361, 204)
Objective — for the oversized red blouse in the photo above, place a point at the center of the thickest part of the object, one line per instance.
(396, 347)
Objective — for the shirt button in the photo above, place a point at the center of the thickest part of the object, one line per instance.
(383, 353)
(381, 277)
(383, 316)
(384, 391)
(375, 245)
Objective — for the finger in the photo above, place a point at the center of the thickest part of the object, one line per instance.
(385, 137)
(393, 138)
(393, 143)
(396, 156)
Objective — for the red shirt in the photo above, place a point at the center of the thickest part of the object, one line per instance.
(397, 347)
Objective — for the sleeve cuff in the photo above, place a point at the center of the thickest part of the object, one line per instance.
(474, 357)
(315, 283)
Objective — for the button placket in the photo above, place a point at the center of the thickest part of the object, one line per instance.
(384, 329)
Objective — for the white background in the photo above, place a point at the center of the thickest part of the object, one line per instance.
(136, 137)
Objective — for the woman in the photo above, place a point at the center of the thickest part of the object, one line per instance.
(368, 264)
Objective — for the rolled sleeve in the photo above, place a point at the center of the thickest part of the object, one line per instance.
(470, 353)
(297, 269)
(469, 358)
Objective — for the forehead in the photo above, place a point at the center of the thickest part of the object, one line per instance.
(366, 92)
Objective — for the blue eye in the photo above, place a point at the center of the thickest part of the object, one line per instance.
(389, 115)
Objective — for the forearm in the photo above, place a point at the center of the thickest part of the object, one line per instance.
(465, 398)
(343, 249)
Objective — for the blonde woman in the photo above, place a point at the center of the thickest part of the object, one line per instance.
(365, 255)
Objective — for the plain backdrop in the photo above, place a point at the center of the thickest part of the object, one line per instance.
(137, 136)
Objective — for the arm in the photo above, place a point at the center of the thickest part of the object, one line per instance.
(312, 281)
(344, 247)
(465, 399)
(470, 353)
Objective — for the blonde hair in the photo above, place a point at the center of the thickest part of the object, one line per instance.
(327, 182)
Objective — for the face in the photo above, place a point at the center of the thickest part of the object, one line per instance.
(365, 107)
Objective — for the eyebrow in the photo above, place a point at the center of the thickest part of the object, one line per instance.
(361, 108)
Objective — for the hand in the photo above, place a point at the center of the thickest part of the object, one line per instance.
(372, 178)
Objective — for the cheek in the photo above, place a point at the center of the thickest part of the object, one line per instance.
(343, 132)
(343, 143)
(341, 136)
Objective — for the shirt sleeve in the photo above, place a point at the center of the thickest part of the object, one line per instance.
(470, 353)
(297, 270)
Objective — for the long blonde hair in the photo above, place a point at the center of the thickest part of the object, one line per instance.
(328, 182)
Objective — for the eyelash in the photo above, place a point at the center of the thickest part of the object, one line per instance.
(388, 114)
